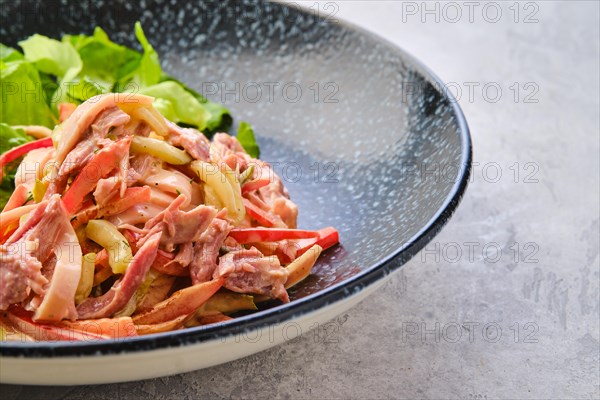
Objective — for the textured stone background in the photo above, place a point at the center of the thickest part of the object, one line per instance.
(528, 316)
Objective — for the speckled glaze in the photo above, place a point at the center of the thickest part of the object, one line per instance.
(378, 151)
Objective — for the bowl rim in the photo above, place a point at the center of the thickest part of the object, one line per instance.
(289, 311)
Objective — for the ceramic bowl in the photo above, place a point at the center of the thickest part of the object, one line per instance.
(363, 135)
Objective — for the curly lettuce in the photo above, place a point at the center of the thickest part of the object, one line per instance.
(9, 138)
(81, 66)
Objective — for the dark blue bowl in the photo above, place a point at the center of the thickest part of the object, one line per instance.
(364, 135)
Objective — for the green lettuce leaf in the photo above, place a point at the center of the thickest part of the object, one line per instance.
(218, 119)
(6, 190)
(105, 63)
(52, 57)
(149, 71)
(77, 91)
(49, 87)
(177, 104)
(10, 138)
(24, 101)
(9, 54)
(81, 66)
(245, 135)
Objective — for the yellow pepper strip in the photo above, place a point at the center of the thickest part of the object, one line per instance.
(224, 302)
(149, 115)
(106, 235)
(211, 198)
(160, 149)
(220, 183)
(247, 174)
(236, 188)
(300, 268)
(87, 278)
(39, 190)
(153, 118)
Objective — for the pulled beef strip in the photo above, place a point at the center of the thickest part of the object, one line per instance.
(85, 115)
(48, 239)
(83, 151)
(118, 296)
(18, 273)
(106, 188)
(143, 165)
(34, 218)
(206, 250)
(228, 149)
(181, 227)
(192, 141)
(248, 271)
(184, 255)
(227, 144)
(276, 196)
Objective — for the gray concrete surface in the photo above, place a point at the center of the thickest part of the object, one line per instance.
(463, 320)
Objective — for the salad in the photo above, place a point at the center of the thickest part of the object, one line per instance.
(126, 207)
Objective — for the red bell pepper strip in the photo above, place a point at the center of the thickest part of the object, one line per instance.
(328, 237)
(133, 196)
(21, 150)
(162, 262)
(10, 220)
(100, 166)
(17, 198)
(23, 322)
(65, 110)
(251, 235)
(132, 238)
(119, 327)
(87, 212)
(255, 184)
(90, 211)
(261, 216)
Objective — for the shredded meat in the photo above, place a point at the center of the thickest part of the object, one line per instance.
(229, 150)
(181, 227)
(48, 239)
(85, 115)
(276, 196)
(192, 140)
(143, 165)
(19, 271)
(206, 250)
(106, 188)
(118, 296)
(84, 150)
(184, 255)
(227, 144)
(248, 271)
